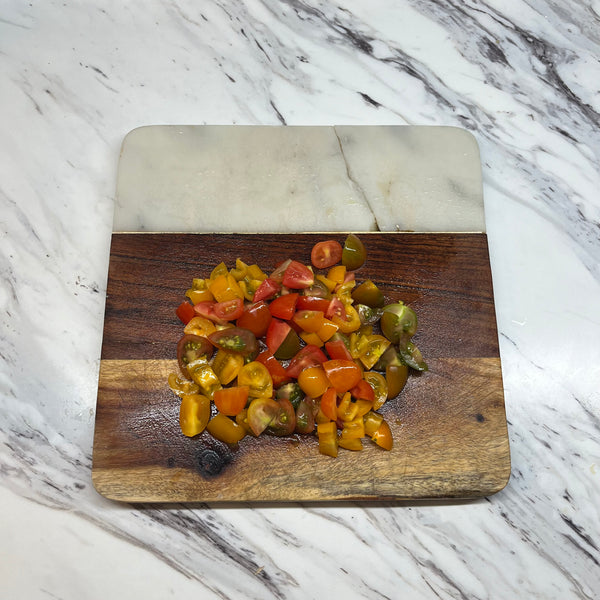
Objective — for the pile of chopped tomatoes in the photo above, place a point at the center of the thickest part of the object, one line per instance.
(302, 350)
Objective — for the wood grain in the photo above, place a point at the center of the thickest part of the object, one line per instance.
(449, 424)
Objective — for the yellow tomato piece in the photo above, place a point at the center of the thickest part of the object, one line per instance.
(328, 439)
(240, 270)
(194, 413)
(354, 444)
(376, 346)
(347, 410)
(372, 422)
(383, 436)
(353, 429)
(350, 323)
(202, 374)
(313, 381)
(378, 383)
(255, 272)
(199, 326)
(197, 296)
(337, 274)
(227, 365)
(327, 330)
(220, 269)
(224, 287)
(328, 283)
(359, 344)
(311, 338)
(258, 379)
(225, 429)
(181, 386)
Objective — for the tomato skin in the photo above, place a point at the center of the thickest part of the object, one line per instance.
(338, 350)
(313, 381)
(255, 317)
(363, 390)
(343, 374)
(266, 290)
(194, 413)
(224, 429)
(276, 334)
(185, 311)
(275, 368)
(326, 254)
(313, 303)
(298, 276)
(309, 356)
(284, 307)
(229, 310)
(329, 404)
(232, 400)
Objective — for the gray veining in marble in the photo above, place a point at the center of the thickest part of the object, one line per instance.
(522, 77)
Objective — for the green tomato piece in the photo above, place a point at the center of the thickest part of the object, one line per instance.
(398, 320)
(368, 293)
(289, 347)
(354, 253)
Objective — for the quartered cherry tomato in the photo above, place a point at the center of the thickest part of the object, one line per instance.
(284, 421)
(194, 413)
(229, 310)
(326, 254)
(284, 307)
(225, 429)
(354, 253)
(235, 339)
(257, 378)
(191, 348)
(232, 400)
(275, 368)
(305, 419)
(261, 411)
(227, 365)
(343, 374)
(297, 276)
(266, 290)
(313, 381)
(185, 311)
(309, 356)
(255, 317)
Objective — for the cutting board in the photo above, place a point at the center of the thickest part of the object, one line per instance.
(449, 424)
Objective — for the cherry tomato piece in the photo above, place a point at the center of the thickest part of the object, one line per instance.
(266, 290)
(354, 253)
(337, 349)
(313, 381)
(225, 429)
(284, 422)
(185, 311)
(235, 339)
(383, 436)
(257, 378)
(313, 303)
(207, 310)
(191, 348)
(343, 374)
(326, 254)
(305, 419)
(396, 377)
(378, 383)
(194, 413)
(261, 412)
(229, 310)
(232, 400)
(275, 368)
(363, 390)
(227, 365)
(329, 404)
(328, 440)
(284, 307)
(309, 356)
(298, 276)
(310, 321)
(256, 318)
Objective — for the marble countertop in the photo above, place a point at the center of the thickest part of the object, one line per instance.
(522, 77)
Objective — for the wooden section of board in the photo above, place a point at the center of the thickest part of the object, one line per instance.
(449, 424)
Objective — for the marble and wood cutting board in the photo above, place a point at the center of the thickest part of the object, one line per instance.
(189, 197)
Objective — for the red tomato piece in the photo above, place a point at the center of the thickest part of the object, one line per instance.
(309, 356)
(329, 404)
(276, 334)
(207, 310)
(267, 289)
(185, 311)
(232, 400)
(343, 374)
(276, 369)
(229, 310)
(326, 254)
(255, 317)
(362, 390)
(336, 308)
(277, 274)
(298, 276)
(284, 306)
(313, 303)
(337, 349)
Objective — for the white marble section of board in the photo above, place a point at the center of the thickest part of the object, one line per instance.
(348, 178)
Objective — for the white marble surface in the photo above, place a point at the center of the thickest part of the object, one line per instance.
(523, 77)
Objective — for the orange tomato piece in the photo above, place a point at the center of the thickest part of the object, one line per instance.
(225, 429)
(383, 436)
(343, 374)
(309, 320)
(329, 404)
(232, 400)
(313, 381)
(194, 413)
(328, 440)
